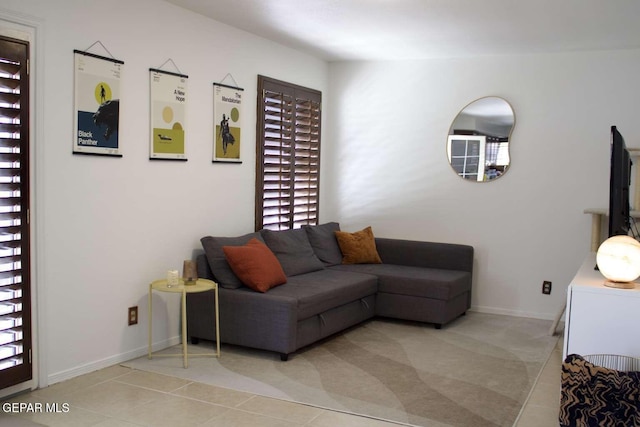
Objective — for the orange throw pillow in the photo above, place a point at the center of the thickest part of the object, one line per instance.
(255, 265)
(358, 247)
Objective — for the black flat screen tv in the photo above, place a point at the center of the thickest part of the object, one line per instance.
(619, 183)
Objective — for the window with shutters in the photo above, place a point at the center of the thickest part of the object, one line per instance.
(15, 308)
(288, 155)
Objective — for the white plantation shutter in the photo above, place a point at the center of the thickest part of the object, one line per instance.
(288, 155)
(15, 313)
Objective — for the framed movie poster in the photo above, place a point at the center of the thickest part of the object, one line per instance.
(96, 116)
(227, 119)
(168, 114)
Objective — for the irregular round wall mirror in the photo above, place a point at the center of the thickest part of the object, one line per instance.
(479, 139)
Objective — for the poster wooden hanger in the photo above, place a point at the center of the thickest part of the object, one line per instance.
(86, 52)
(179, 73)
(225, 78)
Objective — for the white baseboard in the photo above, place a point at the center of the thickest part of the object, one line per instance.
(17, 389)
(110, 361)
(516, 313)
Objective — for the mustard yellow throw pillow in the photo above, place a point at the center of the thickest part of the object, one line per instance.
(358, 247)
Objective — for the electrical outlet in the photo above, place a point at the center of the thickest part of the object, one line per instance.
(133, 315)
(546, 287)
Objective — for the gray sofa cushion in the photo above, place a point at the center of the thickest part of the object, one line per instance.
(325, 289)
(447, 256)
(293, 250)
(415, 281)
(220, 268)
(323, 241)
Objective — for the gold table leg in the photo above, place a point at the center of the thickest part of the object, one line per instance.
(217, 325)
(149, 319)
(184, 328)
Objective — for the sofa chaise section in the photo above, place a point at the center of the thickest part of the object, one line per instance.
(421, 281)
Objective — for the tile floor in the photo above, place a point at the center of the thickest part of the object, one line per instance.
(541, 410)
(122, 397)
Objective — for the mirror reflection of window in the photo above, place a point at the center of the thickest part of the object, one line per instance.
(479, 138)
(466, 156)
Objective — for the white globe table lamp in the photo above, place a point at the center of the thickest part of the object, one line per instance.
(618, 260)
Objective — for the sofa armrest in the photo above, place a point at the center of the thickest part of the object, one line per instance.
(202, 265)
(446, 256)
(258, 320)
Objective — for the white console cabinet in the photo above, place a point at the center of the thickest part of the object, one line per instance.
(599, 319)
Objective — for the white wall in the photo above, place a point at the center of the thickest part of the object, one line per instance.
(386, 145)
(108, 226)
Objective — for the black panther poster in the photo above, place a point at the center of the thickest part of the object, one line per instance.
(97, 104)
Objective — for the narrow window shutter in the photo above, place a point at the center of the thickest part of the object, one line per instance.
(15, 315)
(288, 155)
(307, 162)
(277, 148)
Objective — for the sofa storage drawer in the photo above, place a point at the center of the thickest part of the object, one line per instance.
(421, 309)
(335, 320)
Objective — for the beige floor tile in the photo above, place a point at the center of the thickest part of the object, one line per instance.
(555, 365)
(32, 398)
(213, 394)
(153, 381)
(112, 397)
(333, 419)
(63, 388)
(236, 418)
(75, 417)
(112, 422)
(538, 416)
(547, 395)
(280, 409)
(542, 408)
(550, 375)
(171, 411)
(16, 421)
(44, 410)
(555, 358)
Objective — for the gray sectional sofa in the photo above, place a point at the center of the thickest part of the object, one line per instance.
(420, 281)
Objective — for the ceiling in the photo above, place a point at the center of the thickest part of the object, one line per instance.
(344, 30)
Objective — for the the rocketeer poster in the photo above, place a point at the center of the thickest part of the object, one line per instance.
(96, 104)
(168, 114)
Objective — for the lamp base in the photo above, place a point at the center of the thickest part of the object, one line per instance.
(620, 285)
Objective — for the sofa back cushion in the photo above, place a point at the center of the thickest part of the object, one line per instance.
(323, 241)
(220, 268)
(293, 250)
